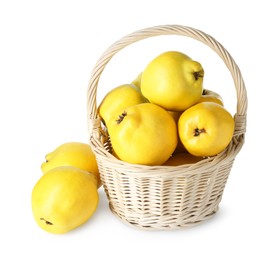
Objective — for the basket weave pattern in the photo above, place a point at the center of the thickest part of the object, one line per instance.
(164, 197)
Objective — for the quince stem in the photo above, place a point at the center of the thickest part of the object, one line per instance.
(198, 131)
(198, 74)
(47, 222)
(121, 117)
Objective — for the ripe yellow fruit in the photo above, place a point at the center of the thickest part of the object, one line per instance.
(118, 99)
(182, 158)
(173, 81)
(137, 81)
(206, 129)
(75, 154)
(143, 134)
(211, 96)
(64, 198)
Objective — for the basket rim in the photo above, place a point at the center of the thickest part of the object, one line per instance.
(137, 170)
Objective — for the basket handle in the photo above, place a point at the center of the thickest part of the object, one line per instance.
(241, 109)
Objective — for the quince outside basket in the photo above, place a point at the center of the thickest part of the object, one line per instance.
(164, 197)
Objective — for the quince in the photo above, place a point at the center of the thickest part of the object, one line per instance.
(173, 81)
(143, 134)
(182, 158)
(206, 129)
(118, 99)
(137, 81)
(211, 96)
(64, 198)
(75, 154)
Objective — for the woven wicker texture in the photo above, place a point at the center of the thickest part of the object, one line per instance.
(164, 197)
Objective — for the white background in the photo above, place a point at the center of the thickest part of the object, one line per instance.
(47, 52)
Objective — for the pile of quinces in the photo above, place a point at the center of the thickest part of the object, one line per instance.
(165, 116)
(66, 194)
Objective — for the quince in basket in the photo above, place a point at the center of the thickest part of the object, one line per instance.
(211, 96)
(207, 96)
(143, 134)
(205, 129)
(173, 81)
(118, 99)
(137, 81)
(182, 158)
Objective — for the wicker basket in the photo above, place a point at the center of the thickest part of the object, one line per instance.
(164, 197)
